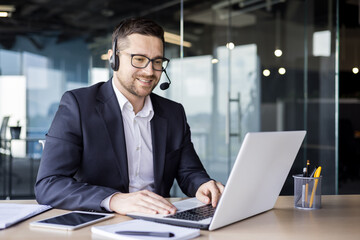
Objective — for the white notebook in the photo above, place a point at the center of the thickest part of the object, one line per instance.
(143, 226)
(12, 213)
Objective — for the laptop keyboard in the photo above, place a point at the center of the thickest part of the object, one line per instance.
(195, 214)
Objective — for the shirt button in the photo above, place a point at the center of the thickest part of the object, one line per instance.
(137, 148)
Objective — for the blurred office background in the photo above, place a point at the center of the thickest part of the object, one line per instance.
(236, 66)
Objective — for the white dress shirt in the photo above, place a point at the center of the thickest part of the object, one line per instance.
(137, 130)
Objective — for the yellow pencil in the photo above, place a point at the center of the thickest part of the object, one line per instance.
(316, 175)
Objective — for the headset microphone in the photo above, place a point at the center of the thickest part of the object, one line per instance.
(165, 85)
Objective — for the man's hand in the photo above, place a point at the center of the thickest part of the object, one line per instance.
(210, 192)
(143, 201)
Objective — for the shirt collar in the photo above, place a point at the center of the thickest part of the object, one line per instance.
(146, 112)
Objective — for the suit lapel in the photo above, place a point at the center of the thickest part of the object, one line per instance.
(109, 110)
(158, 133)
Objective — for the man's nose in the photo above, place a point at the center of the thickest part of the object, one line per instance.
(149, 68)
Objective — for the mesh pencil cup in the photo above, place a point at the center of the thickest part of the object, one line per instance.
(307, 192)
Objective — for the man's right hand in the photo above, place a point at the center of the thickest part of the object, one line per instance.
(143, 201)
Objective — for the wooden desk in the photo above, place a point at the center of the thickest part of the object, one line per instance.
(339, 218)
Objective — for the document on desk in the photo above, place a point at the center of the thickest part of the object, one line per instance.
(140, 229)
(12, 213)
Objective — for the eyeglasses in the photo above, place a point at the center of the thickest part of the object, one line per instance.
(141, 61)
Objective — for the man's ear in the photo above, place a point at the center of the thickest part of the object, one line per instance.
(109, 53)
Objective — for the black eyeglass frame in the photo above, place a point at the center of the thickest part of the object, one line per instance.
(149, 60)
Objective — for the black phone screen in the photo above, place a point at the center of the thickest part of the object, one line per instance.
(73, 218)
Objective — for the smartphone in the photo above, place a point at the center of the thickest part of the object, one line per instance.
(72, 220)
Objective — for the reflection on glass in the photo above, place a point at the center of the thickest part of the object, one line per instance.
(322, 43)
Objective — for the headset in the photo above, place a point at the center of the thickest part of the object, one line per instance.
(114, 59)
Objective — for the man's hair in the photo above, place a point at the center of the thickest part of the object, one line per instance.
(141, 26)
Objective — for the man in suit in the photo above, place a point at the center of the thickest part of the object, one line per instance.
(117, 146)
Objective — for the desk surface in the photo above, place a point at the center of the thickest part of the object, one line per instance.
(338, 218)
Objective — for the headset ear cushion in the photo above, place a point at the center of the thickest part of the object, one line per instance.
(114, 59)
(114, 62)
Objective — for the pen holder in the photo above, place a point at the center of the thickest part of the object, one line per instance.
(307, 192)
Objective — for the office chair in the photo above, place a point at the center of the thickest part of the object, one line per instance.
(5, 153)
(3, 142)
(4, 150)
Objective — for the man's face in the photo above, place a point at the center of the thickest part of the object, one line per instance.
(135, 82)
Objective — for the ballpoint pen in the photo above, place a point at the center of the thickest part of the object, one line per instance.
(143, 233)
(304, 189)
(313, 172)
(303, 196)
(307, 184)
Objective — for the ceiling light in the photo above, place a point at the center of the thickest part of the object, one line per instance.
(6, 10)
(230, 45)
(214, 60)
(355, 70)
(278, 52)
(4, 14)
(282, 71)
(266, 72)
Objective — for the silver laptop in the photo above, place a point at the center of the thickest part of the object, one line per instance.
(254, 184)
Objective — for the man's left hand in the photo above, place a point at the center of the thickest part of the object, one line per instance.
(210, 192)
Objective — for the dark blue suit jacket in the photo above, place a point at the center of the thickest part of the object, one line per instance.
(84, 159)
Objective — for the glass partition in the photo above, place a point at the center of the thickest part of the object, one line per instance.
(236, 66)
(259, 66)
